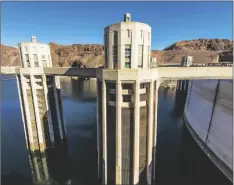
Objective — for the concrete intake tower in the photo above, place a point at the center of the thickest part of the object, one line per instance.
(127, 105)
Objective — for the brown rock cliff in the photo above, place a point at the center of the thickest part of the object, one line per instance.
(92, 55)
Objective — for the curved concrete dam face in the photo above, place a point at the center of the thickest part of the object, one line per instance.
(209, 116)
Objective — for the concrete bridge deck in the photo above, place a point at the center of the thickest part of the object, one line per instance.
(206, 72)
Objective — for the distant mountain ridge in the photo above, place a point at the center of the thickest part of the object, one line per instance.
(92, 55)
(203, 45)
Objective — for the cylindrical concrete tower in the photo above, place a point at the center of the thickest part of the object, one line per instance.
(127, 45)
(127, 105)
(40, 98)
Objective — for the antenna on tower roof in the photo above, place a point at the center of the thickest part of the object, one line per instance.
(33, 39)
(127, 17)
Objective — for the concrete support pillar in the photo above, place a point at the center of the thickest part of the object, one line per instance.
(185, 85)
(136, 132)
(28, 112)
(56, 87)
(98, 135)
(180, 97)
(45, 167)
(38, 116)
(48, 111)
(150, 132)
(155, 125)
(39, 127)
(60, 107)
(190, 84)
(186, 88)
(104, 181)
(181, 84)
(36, 170)
(177, 85)
(118, 132)
(24, 118)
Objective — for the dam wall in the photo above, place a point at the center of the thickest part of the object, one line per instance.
(208, 114)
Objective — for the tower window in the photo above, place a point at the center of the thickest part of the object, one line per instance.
(44, 62)
(148, 56)
(127, 56)
(115, 56)
(21, 56)
(106, 55)
(35, 58)
(140, 56)
(105, 37)
(112, 97)
(148, 35)
(129, 33)
(115, 50)
(49, 59)
(115, 37)
(27, 60)
(141, 33)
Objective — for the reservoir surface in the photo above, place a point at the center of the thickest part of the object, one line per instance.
(179, 158)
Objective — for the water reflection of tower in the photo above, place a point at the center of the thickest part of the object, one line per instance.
(90, 89)
(66, 87)
(77, 87)
(164, 91)
(50, 167)
(83, 89)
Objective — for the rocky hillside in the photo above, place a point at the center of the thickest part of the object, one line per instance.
(203, 45)
(86, 55)
(226, 56)
(9, 56)
(92, 55)
(202, 50)
(174, 56)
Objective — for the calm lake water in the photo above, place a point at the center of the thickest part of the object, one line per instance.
(179, 158)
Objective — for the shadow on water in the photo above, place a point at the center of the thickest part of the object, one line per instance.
(79, 89)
